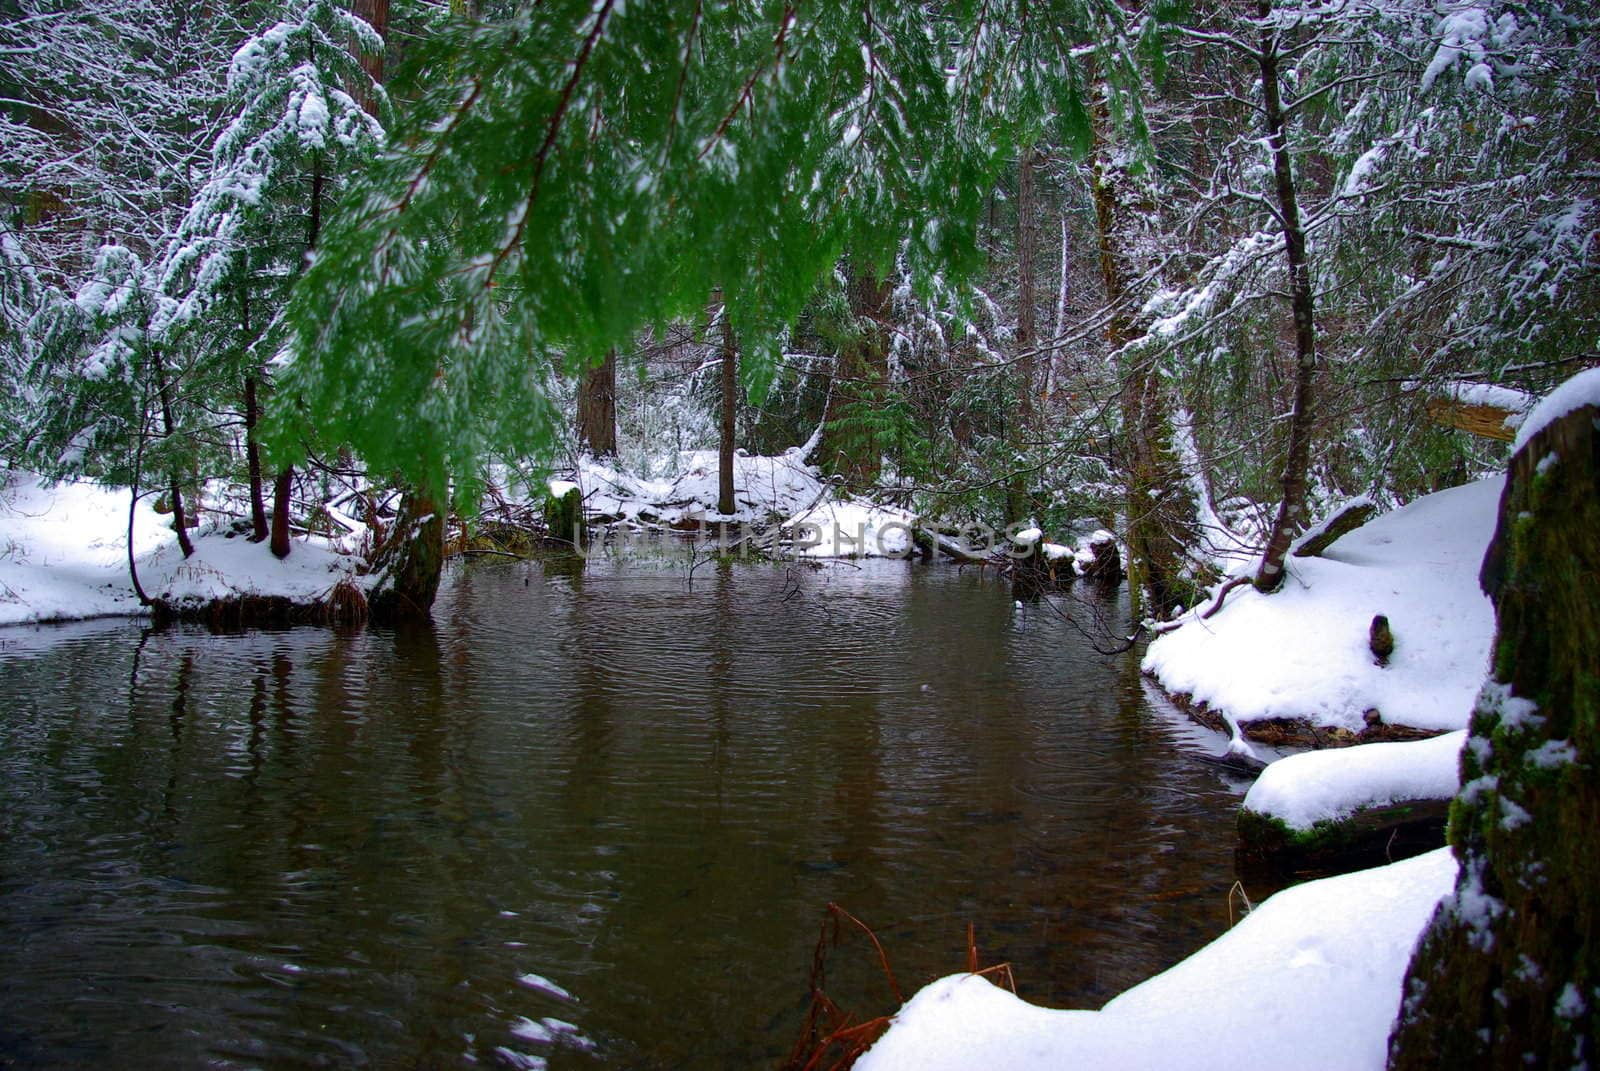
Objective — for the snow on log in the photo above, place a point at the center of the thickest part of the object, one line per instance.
(1322, 535)
(1483, 409)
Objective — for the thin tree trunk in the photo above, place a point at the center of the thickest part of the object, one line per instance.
(1297, 463)
(597, 407)
(252, 457)
(252, 417)
(133, 508)
(1018, 506)
(1505, 973)
(168, 428)
(282, 488)
(1062, 296)
(730, 414)
(314, 221)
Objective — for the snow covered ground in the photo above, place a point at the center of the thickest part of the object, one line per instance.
(1310, 980)
(765, 489)
(848, 529)
(1303, 652)
(64, 550)
(64, 556)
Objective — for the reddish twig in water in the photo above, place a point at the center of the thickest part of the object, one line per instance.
(883, 957)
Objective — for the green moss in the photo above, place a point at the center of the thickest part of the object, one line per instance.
(563, 517)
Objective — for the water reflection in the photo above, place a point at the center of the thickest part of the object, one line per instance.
(589, 818)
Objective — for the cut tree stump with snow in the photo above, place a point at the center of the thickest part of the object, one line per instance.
(1508, 970)
(1482, 409)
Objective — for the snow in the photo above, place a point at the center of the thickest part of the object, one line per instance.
(63, 557)
(1515, 403)
(1302, 652)
(1324, 786)
(766, 488)
(1461, 33)
(223, 568)
(63, 550)
(1581, 390)
(852, 530)
(1311, 979)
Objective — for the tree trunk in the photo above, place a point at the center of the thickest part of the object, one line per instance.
(168, 428)
(1159, 504)
(133, 509)
(252, 417)
(410, 564)
(730, 414)
(1063, 296)
(1018, 505)
(851, 446)
(1297, 462)
(597, 407)
(376, 14)
(282, 488)
(1507, 970)
(252, 456)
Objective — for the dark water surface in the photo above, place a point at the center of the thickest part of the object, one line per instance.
(592, 821)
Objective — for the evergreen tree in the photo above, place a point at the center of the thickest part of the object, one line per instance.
(675, 150)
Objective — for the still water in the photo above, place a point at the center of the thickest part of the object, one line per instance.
(591, 820)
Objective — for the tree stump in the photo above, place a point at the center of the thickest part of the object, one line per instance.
(1508, 971)
(410, 564)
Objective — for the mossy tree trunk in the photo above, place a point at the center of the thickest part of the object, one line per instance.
(1159, 504)
(252, 418)
(1508, 971)
(411, 562)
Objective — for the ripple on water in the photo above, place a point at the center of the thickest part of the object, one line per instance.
(585, 821)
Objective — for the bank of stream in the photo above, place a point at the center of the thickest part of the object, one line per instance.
(588, 820)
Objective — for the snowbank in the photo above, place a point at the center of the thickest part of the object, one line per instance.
(851, 529)
(1326, 786)
(64, 549)
(765, 489)
(1311, 979)
(64, 556)
(224, 568)
(1302, 652)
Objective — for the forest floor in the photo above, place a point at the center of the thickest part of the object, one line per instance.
(1311, 978)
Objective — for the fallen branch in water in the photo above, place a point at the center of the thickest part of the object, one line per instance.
(831, 1039)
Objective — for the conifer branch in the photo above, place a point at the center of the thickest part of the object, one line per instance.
(750, 83)
(552, 132)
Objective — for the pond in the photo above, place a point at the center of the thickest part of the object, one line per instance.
(583, 821)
